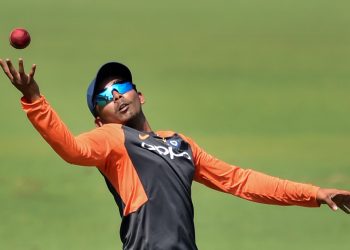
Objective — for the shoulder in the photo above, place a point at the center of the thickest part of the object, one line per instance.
(107, 131)
(171, 133)
(111, 126)
(165, 133)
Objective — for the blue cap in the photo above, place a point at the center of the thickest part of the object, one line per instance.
(106, 70)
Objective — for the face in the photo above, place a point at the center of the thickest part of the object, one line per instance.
(124, 109)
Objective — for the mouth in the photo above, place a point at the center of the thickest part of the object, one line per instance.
(123, 107)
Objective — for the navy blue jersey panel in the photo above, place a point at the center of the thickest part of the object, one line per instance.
(165, 168)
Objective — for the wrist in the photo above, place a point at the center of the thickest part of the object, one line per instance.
(31, 98)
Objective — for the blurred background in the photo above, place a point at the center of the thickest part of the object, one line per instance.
(259, 84)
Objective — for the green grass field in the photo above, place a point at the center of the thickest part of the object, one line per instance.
(259, 84)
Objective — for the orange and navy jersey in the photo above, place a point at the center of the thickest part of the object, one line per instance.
(150, 176)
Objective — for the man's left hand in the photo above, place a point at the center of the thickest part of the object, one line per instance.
(334, 198)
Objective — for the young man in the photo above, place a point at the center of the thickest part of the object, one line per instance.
(150, 172)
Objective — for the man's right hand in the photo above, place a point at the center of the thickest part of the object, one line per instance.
(25, 83)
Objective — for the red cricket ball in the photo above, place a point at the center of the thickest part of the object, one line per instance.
(19, 38)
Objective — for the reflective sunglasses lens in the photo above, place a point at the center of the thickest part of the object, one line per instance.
(122, 88)
(106, 96)
(102, 101)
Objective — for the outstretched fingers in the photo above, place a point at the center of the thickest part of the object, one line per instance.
(21, 80)
(32, 73)
(6, 70)
(12, 70)
(21, 68)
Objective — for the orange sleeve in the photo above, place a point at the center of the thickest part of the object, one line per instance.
(248, 184)
(88, 149)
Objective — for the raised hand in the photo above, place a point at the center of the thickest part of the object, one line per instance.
(25, 83)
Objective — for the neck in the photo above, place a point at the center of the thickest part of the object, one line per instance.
(139, 123)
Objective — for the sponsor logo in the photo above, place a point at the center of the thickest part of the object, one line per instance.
(174, 143)
(165, 151)
(143, 137)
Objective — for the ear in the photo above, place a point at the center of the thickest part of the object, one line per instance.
(141, 98)
(98, 122)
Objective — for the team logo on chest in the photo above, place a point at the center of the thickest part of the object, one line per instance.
(166, 151)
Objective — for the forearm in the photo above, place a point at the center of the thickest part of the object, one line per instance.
(262, 188)
(57, 135)
(252, 185)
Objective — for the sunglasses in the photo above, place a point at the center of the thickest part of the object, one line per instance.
(106, 96)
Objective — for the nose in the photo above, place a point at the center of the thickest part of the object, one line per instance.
(116, 95)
